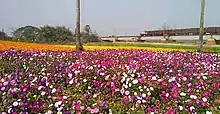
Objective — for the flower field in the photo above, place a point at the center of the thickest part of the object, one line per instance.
(42, 78)
(6, 45)
(109, 81)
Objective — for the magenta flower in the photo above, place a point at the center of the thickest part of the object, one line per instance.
(126, 100)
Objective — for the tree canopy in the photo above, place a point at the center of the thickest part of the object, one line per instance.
(51, 34)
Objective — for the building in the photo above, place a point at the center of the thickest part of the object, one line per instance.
(189, 35)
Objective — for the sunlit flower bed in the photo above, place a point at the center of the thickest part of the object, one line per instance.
(6, 45)
(108, 81)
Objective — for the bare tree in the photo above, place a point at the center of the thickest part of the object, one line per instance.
(79, 45)
(201, 31)
(165, 28)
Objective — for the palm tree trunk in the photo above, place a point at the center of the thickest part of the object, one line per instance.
(201, 31)
(79, 45)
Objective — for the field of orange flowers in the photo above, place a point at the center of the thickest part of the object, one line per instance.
(6, 45)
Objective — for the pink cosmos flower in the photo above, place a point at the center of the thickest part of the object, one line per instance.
(126, 100)
(175, 92)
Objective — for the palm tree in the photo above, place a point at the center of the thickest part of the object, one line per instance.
(79, 45)
(201, 31)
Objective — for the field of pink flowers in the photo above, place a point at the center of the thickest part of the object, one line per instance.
(109, 82)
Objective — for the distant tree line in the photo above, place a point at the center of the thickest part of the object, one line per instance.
(50, 34)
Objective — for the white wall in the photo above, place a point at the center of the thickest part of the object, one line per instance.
(177, 38)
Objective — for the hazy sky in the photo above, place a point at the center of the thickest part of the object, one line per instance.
(125, 16)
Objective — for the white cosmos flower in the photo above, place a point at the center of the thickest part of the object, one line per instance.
(50, 105)
(138, 101)
(91, 67)
(149, 93)
(53, 90)
(125, 75)
(145, 87)
(135, 81)
(170, 80)
(71, 81)
(59, 112)
(178, 85)
(47, 83)
(10, 110)
(126, 86)
(171, 70)
(167, 94)
(127, 92)
(141, 90)
(35, 79)
(144, 95)
(144, 101)
(184, 78)
(3, 93)
(40, 87)
(95, 95)
(129, 85)
(180, 108)
(57, 104)
(208, 112)
(154, 78)
(60, 108)
(49, 112)
(192, 108)
(204, 99)
(128, 79)
(110, 111)
(139, 87)
(151, 88)
(15, 103)
(123, 79)
(65, 97)
(102, 74)
(148, 89)
(182, 94)
(204, 77)
(132, 75)
(152, 113)
(70, 75)
(193, 96)
(51, 86)
(135, 93)
(43, 93)
(84, 80)
(35, 96)
(89, 87)
(189, 84)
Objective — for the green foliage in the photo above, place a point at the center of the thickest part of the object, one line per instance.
(50, 34)
(55, 34)
(26, 33)
(6, 66)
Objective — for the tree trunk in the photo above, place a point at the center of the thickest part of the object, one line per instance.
(201, 31)
(79, 45)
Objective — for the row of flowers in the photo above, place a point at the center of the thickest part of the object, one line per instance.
(108, 81)
(6, 45)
